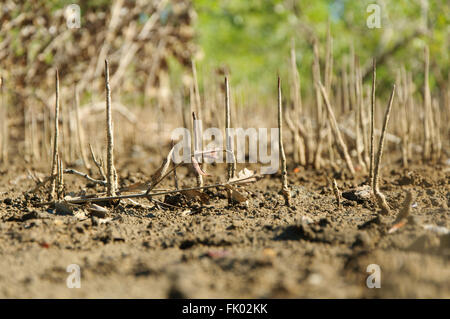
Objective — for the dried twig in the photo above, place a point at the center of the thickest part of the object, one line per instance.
(60, 179)
(231, 168)
(336, 132)
(197, 146)
(298, 143)
(198, 107)
(285, 188)
(93, 180)
(381, 200)
(98, 163)
(321, 124)
(428, 117)
(110, 178)
(144, 195)
(54, 170)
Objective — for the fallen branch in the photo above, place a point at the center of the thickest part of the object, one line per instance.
(144, 195)
(93, 180)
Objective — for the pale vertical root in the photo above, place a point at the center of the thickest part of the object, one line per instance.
(4, 120)
(319, 118)
(427, 119)
(295, 111)
(189, 109)
(372, 124)
(358, 106)
(328, 78)
(285, 188)
(437, 148)
(110, 178)
(60, 179)
(404, 102)
(337, 134)
(231, 167)
(316, 79)
(363, 117)
(55, 154)
(381, 200)
(198, 108)
(298, 142)
(80, 135)
(337, 194)
(410, 116)
(56, 178)
(197, 147)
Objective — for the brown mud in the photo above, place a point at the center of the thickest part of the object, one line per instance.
(259, 250)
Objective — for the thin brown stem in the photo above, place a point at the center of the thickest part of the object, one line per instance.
(54, 171)
(285, 188)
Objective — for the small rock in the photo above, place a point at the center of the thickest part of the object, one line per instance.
(358, 194)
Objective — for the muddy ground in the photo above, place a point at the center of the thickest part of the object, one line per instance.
(260, 250)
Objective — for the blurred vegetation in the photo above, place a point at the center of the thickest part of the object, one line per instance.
(252, 38)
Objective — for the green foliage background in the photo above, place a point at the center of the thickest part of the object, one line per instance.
(253, 38)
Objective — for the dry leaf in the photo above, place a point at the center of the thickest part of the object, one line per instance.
(97, 211)
(358, 194)
(246, 175)
(397, 226)
(235, 195)
(63, 208)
